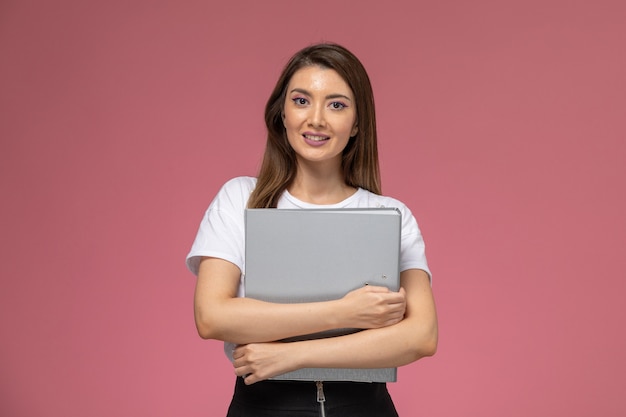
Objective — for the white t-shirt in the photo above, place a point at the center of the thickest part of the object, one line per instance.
(221, 233)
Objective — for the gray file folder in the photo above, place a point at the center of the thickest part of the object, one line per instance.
(308, 255)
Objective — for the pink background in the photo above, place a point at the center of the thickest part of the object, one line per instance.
(502, 125)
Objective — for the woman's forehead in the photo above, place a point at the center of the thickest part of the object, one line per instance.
(316, 79)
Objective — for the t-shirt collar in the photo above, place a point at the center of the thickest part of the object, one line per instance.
(289, 201)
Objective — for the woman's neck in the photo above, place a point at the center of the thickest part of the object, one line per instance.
(318, 186)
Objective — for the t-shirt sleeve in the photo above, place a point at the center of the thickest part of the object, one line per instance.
(412, 247)
(221, 231)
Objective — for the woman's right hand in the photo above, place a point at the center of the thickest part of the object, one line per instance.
(372, 307)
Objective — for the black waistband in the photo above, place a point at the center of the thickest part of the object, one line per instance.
(304, 393)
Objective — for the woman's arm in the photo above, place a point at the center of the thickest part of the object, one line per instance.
(219, 314)
(396, 345)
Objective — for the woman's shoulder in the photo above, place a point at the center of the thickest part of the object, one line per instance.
(235, 192)
(370, 199)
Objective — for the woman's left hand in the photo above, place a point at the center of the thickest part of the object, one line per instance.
(259, 361)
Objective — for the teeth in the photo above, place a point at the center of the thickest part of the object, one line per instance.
(316, 138)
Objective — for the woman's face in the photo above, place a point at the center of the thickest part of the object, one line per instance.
(319, 115)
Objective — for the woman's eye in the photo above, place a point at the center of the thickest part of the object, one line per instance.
(336, 105)
(300, 101)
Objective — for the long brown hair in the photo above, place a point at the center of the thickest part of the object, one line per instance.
(360, 157)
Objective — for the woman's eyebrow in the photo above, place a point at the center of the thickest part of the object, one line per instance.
(331, 96)
(328, 97)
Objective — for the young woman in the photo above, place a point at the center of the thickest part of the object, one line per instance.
(321, 151)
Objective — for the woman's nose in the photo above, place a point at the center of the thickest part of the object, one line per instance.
(316, 116)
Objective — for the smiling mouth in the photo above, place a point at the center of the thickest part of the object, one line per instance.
(316, 138)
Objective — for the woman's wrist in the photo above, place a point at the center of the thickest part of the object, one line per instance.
(336, 317)
(297, 353)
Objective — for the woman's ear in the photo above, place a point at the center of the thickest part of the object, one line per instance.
(354, 131)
